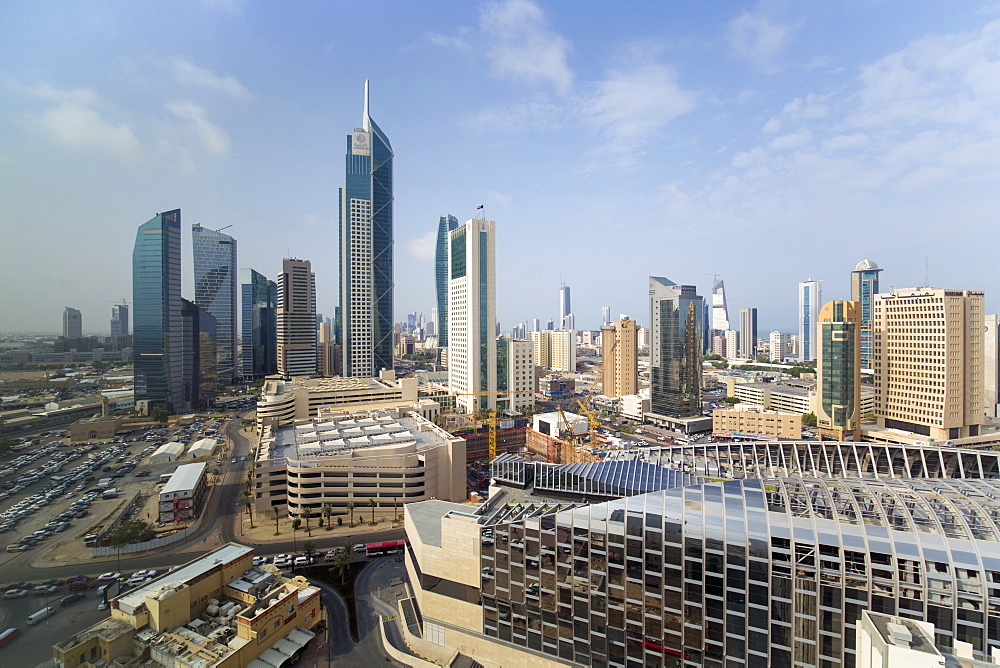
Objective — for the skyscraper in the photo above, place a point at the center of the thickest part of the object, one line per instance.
(675, 314)
(748, 333)
(720, 309)
(259, 304)
(620, 357)
(515, 374)
(555, 350)
(472, 346)
(565, 308)
(810, 299)
(72, 323)
(296, 319)
(156, 319)
(991, 366)
(215, 291)
(366, 276)
(605, 315)
(446, 224)
(838, 410)
(864, 286)
(201, 357)
(119, 320)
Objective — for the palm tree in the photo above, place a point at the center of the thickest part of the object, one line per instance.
(343, 561)
(350, 509)
(247, 494)
(327, 511)
(371, 504)
(308, 513)
(274, 510)
(296, 523)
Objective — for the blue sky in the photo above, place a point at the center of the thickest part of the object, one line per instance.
(767, 142)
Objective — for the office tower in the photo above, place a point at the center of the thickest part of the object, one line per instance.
(72, 323)
(549, 325)
(296, 318)
(780, 343)
(720, 309)
(472, 344)
(864, 286)
(731, 344)
(119, 320)
(366, 252)
(565, 307)
(515, 374)
(156, 318)
(838, 338)
(446, 224)
(215, 291)
(199, 330)
(675, 313)
(748, 333)
(620, 357)
(605, 315)
(555, 350)
(535, 325)
(991, 366)
(259, 305)
(927, 354)
(810, 299)
(706, 327)
(328, 357)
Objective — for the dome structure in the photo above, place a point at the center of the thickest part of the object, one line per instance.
(866, 265)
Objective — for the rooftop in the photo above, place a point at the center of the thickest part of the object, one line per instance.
(185, 478)
(426, 517)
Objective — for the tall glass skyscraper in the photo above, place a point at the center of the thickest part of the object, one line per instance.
(446, 224)
(259, 303)
(200, 363)
(156, 318)
(72, 323)
(366, 286)
(675, 316)
(864, 285)
(810, 299)
(215, 291)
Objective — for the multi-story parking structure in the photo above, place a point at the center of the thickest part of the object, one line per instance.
(769, 563)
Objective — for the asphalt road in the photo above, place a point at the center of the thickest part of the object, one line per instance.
(35, 644)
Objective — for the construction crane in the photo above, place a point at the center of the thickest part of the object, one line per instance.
(491, 418)
(584, 405)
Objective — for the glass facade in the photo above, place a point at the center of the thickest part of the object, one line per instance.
(215, 291)
(259, 304)
(675, 314)
(156, 317)
(119, 320)
(200, 366)
(445, 225)
(839, 368)
(810, 298)
(864, 286)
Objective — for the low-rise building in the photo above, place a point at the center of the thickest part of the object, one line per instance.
(168, 452)
(183, 493)
(752, 421)
(553, 424)
(201, 448)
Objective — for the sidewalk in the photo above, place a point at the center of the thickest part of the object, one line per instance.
(263, 530)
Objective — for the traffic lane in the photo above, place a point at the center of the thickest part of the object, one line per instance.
(35, 644)
(338, 618)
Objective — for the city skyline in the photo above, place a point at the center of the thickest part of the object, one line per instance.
(797, 125)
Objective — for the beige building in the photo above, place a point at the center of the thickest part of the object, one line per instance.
(515, 374)
(927, 355)
(555, 350)
(620, 355)
(218, 610)
(753, 421)
(296, 319)
(327, 352)
(392, 455)
(838, 385)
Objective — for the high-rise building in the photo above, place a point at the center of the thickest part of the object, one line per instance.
(780, 344)
(720, 309)
(991, 366)
(72, 323)
(259, 306)
(605, 315)
(472, 344)
(446, 224)
(810, 299)
(296, 319)
(515, 374)
(864, 286)
(620, 357)
(200, 366)
(535, 325)
(565, 307)
(215, 291)
(366, 267)
(748, 333)
(838, 337)
(328, 358)
(731, 344)
(675, 315)
(555, 349)
(156, 318)
(119, 320)
(927, 354)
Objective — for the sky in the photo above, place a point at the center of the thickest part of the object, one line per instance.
(767, 142)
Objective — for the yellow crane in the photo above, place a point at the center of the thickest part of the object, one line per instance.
(491, 418)
(584, 405)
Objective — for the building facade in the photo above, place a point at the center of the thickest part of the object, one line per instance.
(864, 287)
(748, 333)
(810, 300)
(72, 321)
(366, 259)
(119, 320)
(927, 355)
(675, 352)
(296, 319)
(446, 225)
(991, 366)
(720, 309)
(780, 344)
(199, 332)
(838, 401)
(620, 357)
(565, 308)
(555, 349)
(515, 374)
(215, 291)
(181, 496)
(750, 421)
(472, 347)
(259, 309)
(156, 321)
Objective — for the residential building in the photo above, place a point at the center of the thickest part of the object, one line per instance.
(720, 309)
(199, 333)
(181, 496)
(928, 358)
(328, 352)
(446, 225)
(747, 421)
(215, 291)
(864, 287)
(366, 256)
(72, 323)
(555, 387)
(472, 348)
(991, 366)
(119, 320)
(515, 374)
(748, 333)
(620, 358)
(156, 320)
(555, 350)
(731, 344)
(296, 319)
(675, 352)
(780, 343)
(259, 306)
(838, 401)
(810, 300)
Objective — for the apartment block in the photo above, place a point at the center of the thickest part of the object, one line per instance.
(740, 421)
(620, 353)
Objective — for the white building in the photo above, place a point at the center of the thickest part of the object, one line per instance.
(201, 448)
(991, 366)
(555, 350)
(780, 346)
(472, 321)
(552, 424)
(168, 452)
(181, 496)
(810, 301)
(732, 345)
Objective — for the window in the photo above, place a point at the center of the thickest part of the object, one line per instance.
(434, 633)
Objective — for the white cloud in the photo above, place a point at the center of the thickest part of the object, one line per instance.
(188, 74)
(503, 199)
(73, 122)
(212, 137)
(521, 46)
(758, 40)
(423, 247)
(792, 140)
(518, 116)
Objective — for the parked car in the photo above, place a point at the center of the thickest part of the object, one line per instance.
(70, 599)
(108, 577)
(15, 593)
(283, 560)
(45, 590)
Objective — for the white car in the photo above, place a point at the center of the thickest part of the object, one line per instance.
(302, 561)
(283, 560)
(109, 577)
(259, 561)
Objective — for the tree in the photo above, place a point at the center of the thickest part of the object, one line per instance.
(350, 509)
(274, 511)
(127, 533)
(5, 445)
(320, 523)
(307, 513)
(247, 495)
(308, 549)
(159, 414)
(809, 418)
(372, 504)
(327, 511)
(342, 561)
(340, 521)
(732, 400)
(296, 523)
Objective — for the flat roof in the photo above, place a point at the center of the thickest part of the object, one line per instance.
(343, 434)
(426, 517)
(186, 477)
